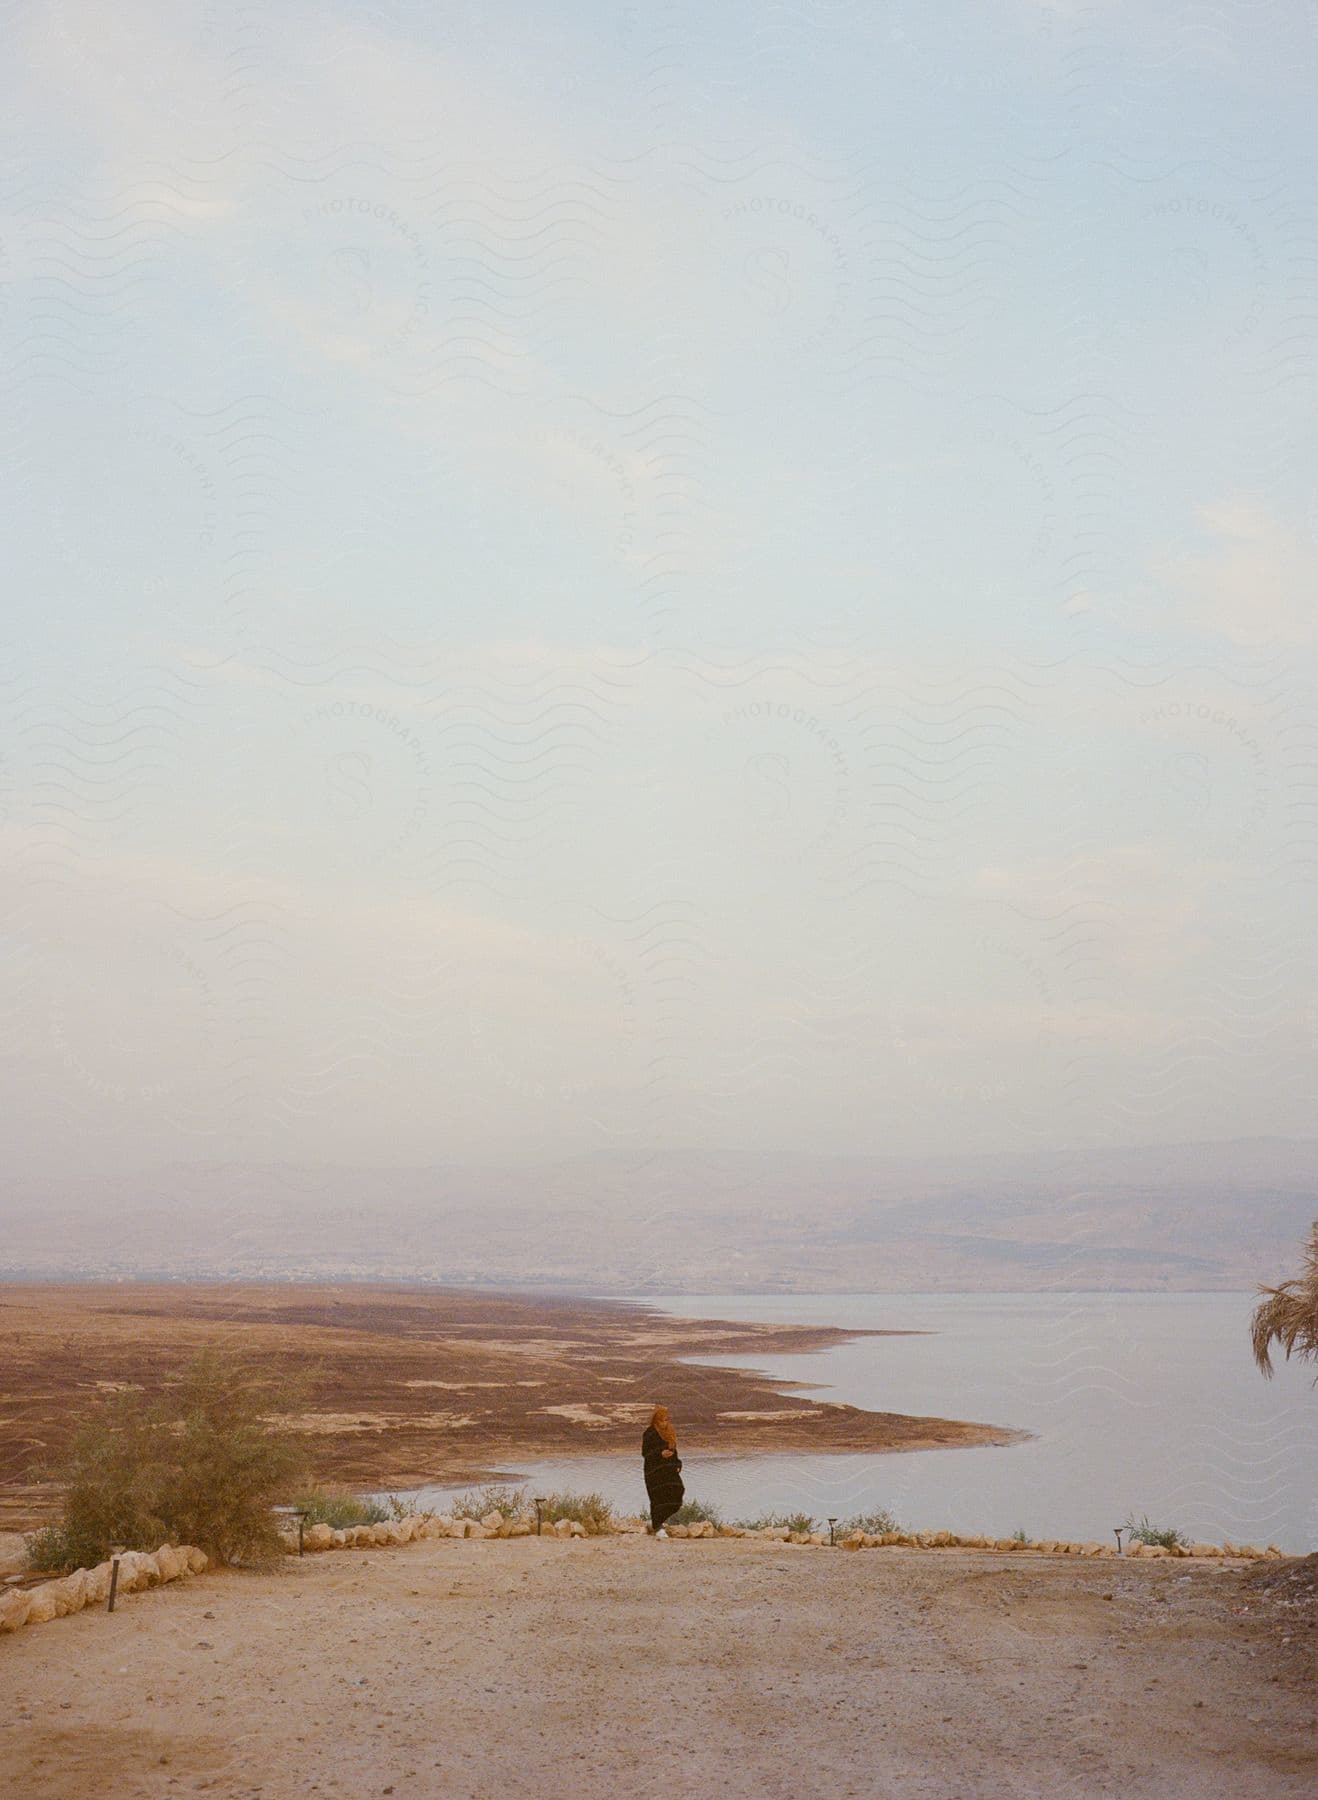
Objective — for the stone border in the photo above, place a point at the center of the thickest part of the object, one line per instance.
(950, 1540)
(496, 1525)
(140, 1569)
(91, 1587)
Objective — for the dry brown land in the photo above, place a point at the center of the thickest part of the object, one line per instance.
(409, 1386)
(625, 1666)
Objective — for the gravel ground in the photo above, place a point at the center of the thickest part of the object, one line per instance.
(626, 1666)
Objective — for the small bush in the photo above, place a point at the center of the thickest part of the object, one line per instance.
(113, 1487)
(202, 1465)
(403, 1506)
(339, 1509)
(509, 1502)
(798, 1521)
(1144, 1533)
(228, 1460)
(50, 1551)
(1021, 1536)
(591, 1510)
(874, 1523)
(696, 1512)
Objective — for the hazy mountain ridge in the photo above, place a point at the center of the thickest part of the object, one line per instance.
(1207, 1215)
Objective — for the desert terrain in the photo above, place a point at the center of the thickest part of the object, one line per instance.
(622, 1665)
(410, 1386)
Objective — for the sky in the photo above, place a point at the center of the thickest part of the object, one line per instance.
(621, 578)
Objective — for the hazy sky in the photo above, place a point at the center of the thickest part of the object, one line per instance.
(583, 576)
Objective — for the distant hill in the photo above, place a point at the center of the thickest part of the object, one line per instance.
(1176, 1216)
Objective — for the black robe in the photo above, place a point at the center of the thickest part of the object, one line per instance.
(663, 1477)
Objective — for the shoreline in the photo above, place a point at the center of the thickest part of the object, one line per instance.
(415, 1387)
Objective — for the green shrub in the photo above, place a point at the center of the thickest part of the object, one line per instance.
(1144, 1533)
(201, 1465)
(509, 1502)
(403, 1506)
(112, 1475)
(591, 1510)
(339, 1509)
(51, 1551)
(696, 1512)
(230, 1460)
(874, 1523)
(1020, 1536)
(798, 1521)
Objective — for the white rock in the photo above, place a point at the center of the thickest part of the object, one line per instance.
(15, 1608)
(67, 1593)
(320, 1537)
(492, 1520)
(42, 1604)
(98, 1584)
(198, 1561)
(136, 1571)
(562, 1528)
(171, 1562)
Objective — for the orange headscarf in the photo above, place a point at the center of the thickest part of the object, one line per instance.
(664, 1426)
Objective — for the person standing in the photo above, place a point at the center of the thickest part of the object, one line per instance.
(663, 1470)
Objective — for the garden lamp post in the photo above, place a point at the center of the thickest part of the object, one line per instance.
(1116, 1532)
(539, 1502)
(831, 1524)
(301, 1529)
(116, 1551)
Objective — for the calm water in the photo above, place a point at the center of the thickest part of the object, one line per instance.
(1143, 1403)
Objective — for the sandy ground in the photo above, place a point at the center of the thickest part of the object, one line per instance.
(626, 1666)
(406, 1387)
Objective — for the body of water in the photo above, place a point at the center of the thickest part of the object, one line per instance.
(1140, 1403)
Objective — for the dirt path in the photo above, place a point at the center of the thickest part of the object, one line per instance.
(625, 1666)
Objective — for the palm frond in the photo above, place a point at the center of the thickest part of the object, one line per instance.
(1287, 1316)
